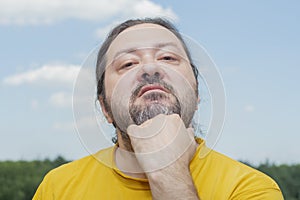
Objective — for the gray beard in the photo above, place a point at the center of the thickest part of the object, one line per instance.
(140, 114)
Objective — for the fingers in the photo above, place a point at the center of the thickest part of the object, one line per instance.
(162, 141)
(152, 127)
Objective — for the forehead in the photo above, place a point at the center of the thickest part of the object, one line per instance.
(143, 36)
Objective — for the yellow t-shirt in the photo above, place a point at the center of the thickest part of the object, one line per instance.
(215, 177)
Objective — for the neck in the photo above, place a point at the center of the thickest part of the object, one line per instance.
(125, 158)
(124, 141)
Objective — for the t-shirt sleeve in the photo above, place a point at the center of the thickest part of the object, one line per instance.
(267, 194)
(257, 187)
(45, 190)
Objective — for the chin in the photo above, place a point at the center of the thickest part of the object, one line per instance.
(140, 114)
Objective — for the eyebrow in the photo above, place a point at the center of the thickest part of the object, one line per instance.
(156, 46)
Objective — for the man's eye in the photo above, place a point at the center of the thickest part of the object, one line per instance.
(168, 58)
(127, 64)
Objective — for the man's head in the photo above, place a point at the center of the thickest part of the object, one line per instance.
(144, 69)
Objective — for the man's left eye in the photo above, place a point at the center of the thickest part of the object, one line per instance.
(168, 58)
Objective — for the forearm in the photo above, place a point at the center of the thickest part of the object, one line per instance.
(175, 185)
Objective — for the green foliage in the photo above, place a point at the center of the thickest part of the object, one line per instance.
(20, 179)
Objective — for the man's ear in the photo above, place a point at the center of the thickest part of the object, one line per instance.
(104, 110)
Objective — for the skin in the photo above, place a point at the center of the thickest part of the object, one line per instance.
(166, 140)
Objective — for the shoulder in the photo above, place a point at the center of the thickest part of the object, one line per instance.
(244, 174)
(218, 163)
(70, 175)
(101, 159)
(231, 177)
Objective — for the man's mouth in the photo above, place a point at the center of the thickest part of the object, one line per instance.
(148, 88)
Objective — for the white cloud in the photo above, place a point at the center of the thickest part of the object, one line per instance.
(139, 9)
(103, 31)
(147, 8)
(35, 12)
(61, 99)
(249, 108)
(64, 74)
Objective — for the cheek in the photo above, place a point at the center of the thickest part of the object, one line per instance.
(190, 77)
(109, 83)
(119, 85)
(119, 93)
(183, 79)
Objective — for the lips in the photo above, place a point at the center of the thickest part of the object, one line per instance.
(151, 87)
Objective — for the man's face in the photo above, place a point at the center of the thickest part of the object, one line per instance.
(148, 73)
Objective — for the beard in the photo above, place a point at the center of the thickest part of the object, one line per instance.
(142, 113)
(155, 103)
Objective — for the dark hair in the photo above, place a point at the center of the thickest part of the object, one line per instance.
(101, 59)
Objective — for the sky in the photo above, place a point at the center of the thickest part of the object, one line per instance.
(254, 44)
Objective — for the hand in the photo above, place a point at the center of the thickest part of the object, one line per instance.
(164, 147)
(161, 141)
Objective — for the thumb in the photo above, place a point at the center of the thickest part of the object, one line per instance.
(132, 130)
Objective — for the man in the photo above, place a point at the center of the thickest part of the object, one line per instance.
(147, 88)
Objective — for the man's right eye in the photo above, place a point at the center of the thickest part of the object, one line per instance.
(127, 64)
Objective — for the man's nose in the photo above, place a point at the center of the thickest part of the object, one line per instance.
(150, 70)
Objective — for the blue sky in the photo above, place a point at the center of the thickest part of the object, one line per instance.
(255, 45)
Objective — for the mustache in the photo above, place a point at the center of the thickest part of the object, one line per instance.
(150, 81)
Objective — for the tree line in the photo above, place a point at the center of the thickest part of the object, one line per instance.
(20, 179)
